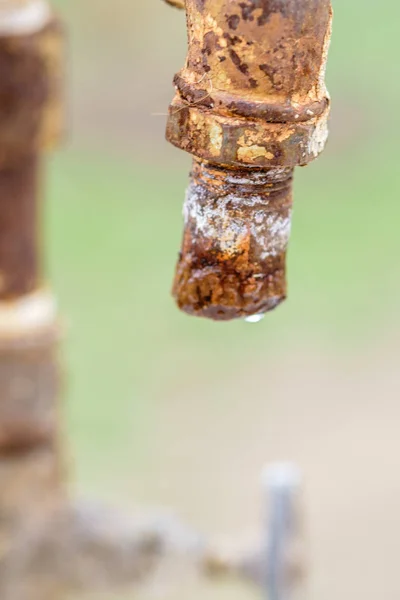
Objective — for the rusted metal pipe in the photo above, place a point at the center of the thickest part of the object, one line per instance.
(31, 473)
(30, 123)
(251, 104)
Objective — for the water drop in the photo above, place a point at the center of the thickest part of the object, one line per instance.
(254, 318)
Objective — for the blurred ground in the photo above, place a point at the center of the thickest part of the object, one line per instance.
(168, 410)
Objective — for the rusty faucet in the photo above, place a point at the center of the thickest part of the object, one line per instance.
(250, 105)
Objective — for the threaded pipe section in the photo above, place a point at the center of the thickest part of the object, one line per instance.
(237, 228)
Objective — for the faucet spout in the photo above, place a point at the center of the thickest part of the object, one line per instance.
(251, 104)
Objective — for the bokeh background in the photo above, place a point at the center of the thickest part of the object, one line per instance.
(167, 410)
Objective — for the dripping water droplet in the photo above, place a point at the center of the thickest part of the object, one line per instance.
(254, 318)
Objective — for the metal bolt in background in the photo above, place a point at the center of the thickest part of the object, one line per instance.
(281, 483)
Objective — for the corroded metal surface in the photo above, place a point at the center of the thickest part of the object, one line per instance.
(238, 142)
(29, 390)
(253, 82)
(251, 99)
(19, 247)
(30, 374)
(31, 107)
(237, 227)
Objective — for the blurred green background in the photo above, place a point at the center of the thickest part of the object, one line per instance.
(168, 410)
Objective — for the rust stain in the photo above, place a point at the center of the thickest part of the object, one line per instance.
(249, 154)
(19, 247)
